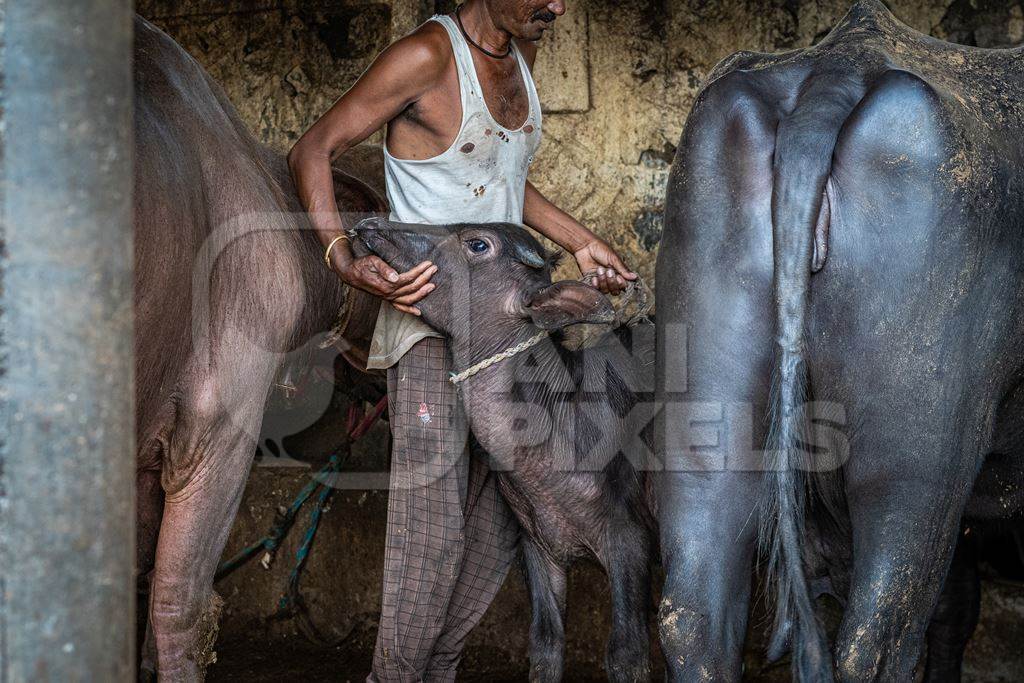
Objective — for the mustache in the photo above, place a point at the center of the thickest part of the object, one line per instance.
(544, 15)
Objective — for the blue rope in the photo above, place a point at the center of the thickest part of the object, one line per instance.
(291, 604)
(307, 543)
(283, 522)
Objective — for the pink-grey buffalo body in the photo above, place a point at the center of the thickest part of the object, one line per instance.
(845, 223)
(228, 279)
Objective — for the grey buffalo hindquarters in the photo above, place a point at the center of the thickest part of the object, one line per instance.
(229, 278)
(840, 287)
(563, 428)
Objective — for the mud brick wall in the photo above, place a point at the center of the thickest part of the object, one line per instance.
(616, 79)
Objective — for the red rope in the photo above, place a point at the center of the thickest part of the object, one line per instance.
(368, 420)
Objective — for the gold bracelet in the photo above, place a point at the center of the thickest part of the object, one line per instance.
(327, 252)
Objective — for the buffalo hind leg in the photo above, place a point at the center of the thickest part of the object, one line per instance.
(546, 582)
(708, 525)
(905, 516)
(210, 453)
(956, 615)
(628, 564)
(149, 497)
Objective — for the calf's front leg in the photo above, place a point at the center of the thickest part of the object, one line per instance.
(546, 583)
(628, 564)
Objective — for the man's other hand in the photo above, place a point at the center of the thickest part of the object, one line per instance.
(599, 260)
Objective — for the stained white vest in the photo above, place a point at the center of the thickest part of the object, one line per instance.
(480, 178)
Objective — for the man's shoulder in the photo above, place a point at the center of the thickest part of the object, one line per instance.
(427, 48)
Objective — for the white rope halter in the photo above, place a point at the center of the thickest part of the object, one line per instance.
(636, 290)
(457, 377)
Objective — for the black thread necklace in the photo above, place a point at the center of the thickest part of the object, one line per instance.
(492, 55)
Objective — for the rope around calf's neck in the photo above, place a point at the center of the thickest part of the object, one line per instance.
(636, 289)
(458, 377)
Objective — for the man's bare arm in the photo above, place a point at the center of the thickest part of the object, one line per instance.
(397, 78)
(591, 252)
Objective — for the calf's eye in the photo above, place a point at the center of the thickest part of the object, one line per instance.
(477, 246)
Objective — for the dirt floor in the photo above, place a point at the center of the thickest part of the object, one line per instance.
(331, 637)
(995, 655)
(341, 590)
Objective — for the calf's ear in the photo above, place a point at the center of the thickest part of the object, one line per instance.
(567, 303)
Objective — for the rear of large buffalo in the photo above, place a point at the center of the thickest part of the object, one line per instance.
(218, 297)
(715, 327)
(907, 338)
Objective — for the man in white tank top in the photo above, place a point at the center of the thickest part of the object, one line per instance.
(463, 124)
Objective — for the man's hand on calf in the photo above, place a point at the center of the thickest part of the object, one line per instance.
(373, 275)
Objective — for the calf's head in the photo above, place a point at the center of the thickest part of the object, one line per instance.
(492, 279)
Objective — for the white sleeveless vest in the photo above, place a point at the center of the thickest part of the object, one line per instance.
(480, 178)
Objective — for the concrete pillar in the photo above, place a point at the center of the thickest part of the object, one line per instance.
(67, 546)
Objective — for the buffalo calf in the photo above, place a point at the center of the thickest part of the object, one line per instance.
(560, 426)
